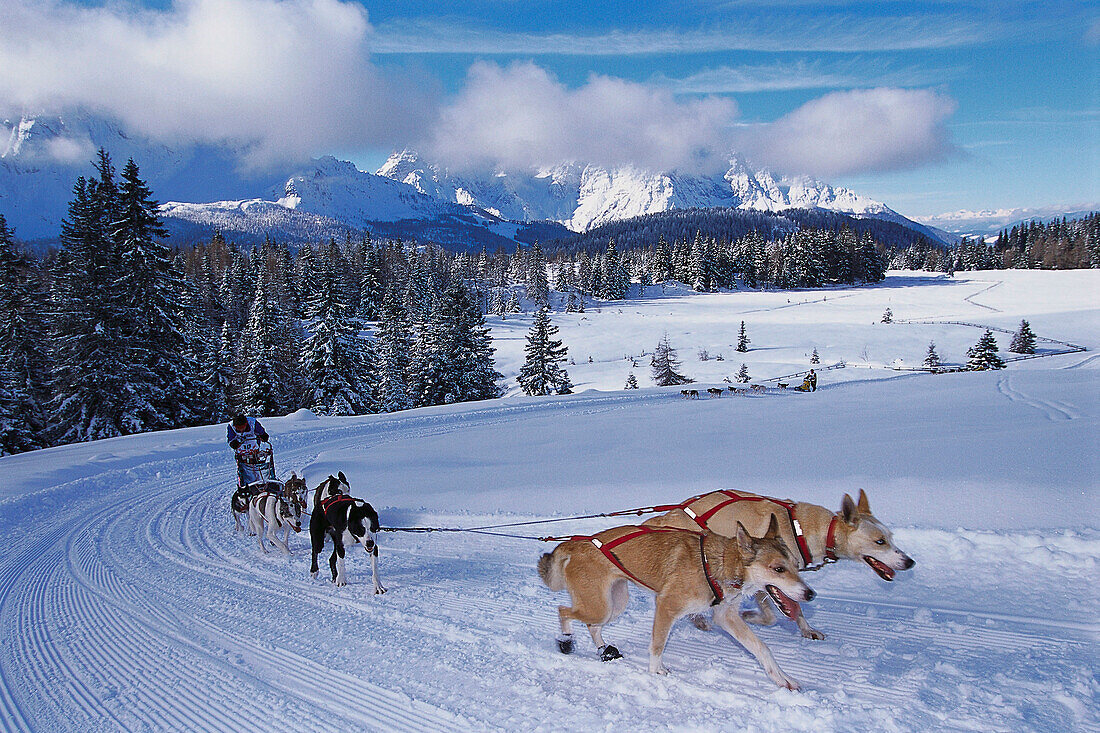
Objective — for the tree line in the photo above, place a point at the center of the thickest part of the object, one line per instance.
(116, 333)
(1063, 244)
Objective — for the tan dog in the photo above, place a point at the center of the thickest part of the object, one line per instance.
(855, 535)
(689, 572)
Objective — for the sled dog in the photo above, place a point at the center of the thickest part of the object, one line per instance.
(347, 521)
(853, 533)
(276, 514)
(689, 571)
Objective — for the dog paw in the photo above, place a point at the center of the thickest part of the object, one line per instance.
(565, 644)
(313, 574)
(700, 622)
(814, 634)
(788, 683)
(379, 590)
(658, 669)
(609, 653)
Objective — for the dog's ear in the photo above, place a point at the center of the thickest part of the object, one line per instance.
(343, 478)
(744, 541)
(864, 506)
(773, 529)
(848, 511)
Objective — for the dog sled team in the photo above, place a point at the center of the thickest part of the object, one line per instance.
(706, 555)
(273, 506)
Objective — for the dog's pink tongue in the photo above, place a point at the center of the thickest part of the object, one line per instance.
(793, 608)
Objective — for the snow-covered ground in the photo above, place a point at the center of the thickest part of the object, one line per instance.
(127, 602)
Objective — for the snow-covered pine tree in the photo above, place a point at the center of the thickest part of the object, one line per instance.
(743, 339)
(538, 287)
(163, 381)
(888, 316)
(89, 378)
(571, 303)
(513, 302)
(22, 361)
(815, 358)
(631, 382)
(268, 372)
(1023, 341)
(983, 355)
(932, 359)
(665, 364)
(333, 358)
(541, 374)
(616, 275)
(220, 376)
(452, 359)
(743, 374)
(392, 344)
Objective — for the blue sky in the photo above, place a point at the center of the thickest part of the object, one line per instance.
(928, 106)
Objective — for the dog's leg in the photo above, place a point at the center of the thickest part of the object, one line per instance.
(336, 562)
(379, 589)
(256, 527)
(273, 535)
(764, 616)
(663, 617)
(728, 617)
(594, 610)
(804, 626)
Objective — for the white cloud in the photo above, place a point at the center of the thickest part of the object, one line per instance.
(803, 74)
(861, 131)
(519, 116)
(285, 77)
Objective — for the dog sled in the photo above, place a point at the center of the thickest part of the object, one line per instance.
(256, 470)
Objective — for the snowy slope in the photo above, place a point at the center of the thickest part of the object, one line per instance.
(585, 196)
(127, 602)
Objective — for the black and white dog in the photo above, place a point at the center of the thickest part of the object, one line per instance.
(276, 514)
(347, 521)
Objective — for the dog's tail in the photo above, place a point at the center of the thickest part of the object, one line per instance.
(551, 565)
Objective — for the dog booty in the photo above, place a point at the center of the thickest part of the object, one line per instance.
(609, 653)
(565, 643)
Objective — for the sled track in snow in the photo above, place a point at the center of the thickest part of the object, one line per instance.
(142, 609)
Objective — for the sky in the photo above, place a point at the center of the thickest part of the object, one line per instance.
(930, 107)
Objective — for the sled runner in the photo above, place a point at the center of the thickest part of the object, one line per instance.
(256, 470)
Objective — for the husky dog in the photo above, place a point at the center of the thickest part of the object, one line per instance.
(347, 521)
(853, 533)
(689, 571)
(238, 507)
(277, 514)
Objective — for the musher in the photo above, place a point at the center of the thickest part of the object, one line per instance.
(249, 433)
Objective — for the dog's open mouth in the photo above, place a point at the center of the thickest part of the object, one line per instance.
(785, 603)
(884, 571)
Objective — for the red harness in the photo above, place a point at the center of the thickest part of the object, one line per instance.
(333, 501)
(796, 526)
(607, 547)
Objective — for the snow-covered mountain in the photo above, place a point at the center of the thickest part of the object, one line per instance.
(583, 196)
(989, 222)
(207, 187)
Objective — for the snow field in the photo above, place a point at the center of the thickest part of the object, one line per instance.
(128, 603)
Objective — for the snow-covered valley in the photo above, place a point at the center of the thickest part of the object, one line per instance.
(128, 602)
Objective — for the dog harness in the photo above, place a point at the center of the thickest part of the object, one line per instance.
(607, 547)
(796, 526)
(334, 501)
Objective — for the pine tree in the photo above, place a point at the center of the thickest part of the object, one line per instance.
(22, 361)
(932, 359)
(393, 345)
(333, 359)
(665, 364)
(814, 357)
(888, 316)
(538, 288)
(1023, 341)
(452, 359)
(743, 374)
(162, 372)
(631, 382)
(269, 376)
(983, 355)
(743, 340)
(541, 374)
